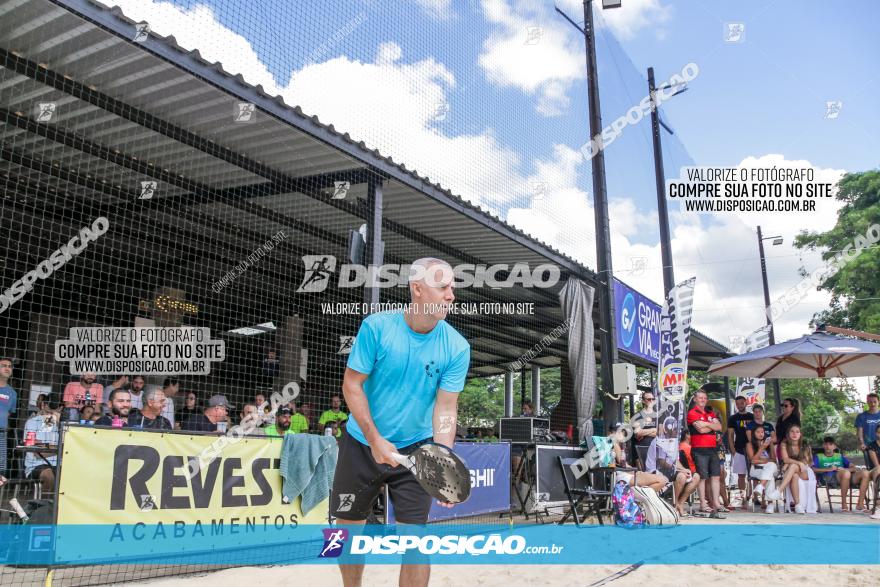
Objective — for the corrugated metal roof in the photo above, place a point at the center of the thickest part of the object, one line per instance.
(281, 141)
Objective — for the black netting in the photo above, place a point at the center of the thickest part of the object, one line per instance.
(172, 165)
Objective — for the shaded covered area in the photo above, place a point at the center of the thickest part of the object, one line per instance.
(212, 208)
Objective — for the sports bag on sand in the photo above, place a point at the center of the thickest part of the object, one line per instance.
(657, 511)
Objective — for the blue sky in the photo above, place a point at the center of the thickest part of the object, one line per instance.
(768, 93)
(764, 95)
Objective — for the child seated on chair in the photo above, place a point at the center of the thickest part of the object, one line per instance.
(835, 470)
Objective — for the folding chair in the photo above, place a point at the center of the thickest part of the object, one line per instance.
(24, 490)
(583, 492)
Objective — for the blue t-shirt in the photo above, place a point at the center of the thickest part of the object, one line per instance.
(404, 370)
(8, 400)
(868, 422)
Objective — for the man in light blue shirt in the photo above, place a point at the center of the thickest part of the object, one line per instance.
(401, 386)
(41, 466)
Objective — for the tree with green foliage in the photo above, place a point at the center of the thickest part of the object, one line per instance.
(826, 409)
(481, 402)
(855, 287)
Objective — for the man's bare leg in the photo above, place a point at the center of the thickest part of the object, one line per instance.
(685, 492)
(47, 479)
(701, 490)
(416, 570)
(861, 478)
(677, 486)
(414, 575)
(352, 574)
(715, 488)
(843, 478)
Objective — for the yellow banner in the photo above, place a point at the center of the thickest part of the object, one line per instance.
(132, 477)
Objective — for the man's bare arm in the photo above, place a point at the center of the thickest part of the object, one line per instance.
(702, 427)
(445, 417)
(356, 399)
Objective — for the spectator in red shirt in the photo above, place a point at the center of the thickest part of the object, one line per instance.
(703, 424)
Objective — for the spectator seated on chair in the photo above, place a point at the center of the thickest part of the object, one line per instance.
(150, 417)
(618, 439)
(761, 455)
(44, 425)
(662, 460)
(835, 470)
(684, 451)
(86, 413)
(120, 407)
(798, 477)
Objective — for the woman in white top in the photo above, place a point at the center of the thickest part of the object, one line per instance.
(761, 455)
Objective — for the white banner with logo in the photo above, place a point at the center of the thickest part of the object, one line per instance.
(675, 338)
(753, 388)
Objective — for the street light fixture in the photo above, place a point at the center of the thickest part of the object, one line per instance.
(777, 240)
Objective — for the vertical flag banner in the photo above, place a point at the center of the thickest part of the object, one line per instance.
(752, 387)
(675, 337)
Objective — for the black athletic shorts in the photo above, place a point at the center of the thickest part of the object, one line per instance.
(871, 447)
(706, 461)
(35, 473)
(359, 479)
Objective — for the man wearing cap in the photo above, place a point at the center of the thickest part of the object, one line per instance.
(738, 426)
(215, 412)
(282, 423)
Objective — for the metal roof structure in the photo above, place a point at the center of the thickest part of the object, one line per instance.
(129, 112)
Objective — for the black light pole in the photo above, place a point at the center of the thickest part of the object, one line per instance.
(777, 240)
(660, 178)
(607, 338)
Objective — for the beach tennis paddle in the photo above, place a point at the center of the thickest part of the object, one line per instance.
(439, 471)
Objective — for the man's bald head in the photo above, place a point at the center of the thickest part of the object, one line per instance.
(431, 285)
(430, 271)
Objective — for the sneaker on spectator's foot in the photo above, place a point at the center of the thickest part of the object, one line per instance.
(799, 509)
(770, 509)
(876, 515)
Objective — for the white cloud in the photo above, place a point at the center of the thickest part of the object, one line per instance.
(721, 251)
(529, 49)
(198, 28)
(533, 49)
(633, 16)
(392, 97)
(396, 110)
